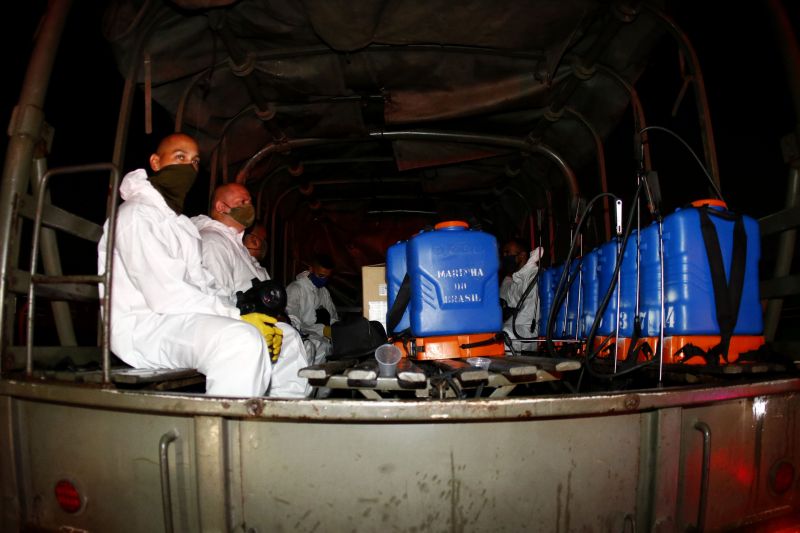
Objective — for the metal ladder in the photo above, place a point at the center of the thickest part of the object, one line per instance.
(60, 219)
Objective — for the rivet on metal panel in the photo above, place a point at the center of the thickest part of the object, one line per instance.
(255, 407)
(631, 401)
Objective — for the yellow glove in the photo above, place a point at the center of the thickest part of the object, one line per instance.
(272, 334)
(327, 331)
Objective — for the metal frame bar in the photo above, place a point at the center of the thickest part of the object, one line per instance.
(104, 279)
(25, 131)
(57, 218)
(393, 411)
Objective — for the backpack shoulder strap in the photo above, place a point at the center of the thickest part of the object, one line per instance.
(727, 293)
(395, 314)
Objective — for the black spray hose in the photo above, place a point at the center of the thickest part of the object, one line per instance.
(602, 307)
(534, 282)
(711, 181)
(658, 219)
(507, 340)
(558, 296)
(560, 293)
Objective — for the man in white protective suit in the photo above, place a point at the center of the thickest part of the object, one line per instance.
(166, 309)
(309, 304)
(231, 264)
(521, 318)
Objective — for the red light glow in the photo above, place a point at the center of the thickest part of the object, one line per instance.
(781, 477)
(68, 497)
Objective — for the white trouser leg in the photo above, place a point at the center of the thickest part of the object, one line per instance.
(285, 382)
(322, 348)
(230, 353)
(233, 358)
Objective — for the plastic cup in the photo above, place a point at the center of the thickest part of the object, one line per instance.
(480, 362)
(388, 355)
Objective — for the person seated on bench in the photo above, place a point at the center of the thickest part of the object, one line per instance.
(309, 304)
(231, 264)
(166, 309)
(255, 240)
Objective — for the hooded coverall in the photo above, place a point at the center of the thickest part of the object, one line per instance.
(227, 258)
(302, 300)
(511, 290)
(166, 309)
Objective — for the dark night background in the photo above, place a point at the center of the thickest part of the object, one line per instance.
(748, 95)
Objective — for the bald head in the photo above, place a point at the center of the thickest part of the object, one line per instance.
(176, 149)
(232, 206)
(230, 192)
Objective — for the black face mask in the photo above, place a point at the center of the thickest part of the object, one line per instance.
(509, 264)
(173, 183)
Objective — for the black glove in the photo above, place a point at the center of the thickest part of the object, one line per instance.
(323, 316)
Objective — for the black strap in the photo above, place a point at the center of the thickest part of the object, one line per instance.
(633, 354)
(633, 351)
(493, 339)
(689, 351)
(727, 294)
(395, 314)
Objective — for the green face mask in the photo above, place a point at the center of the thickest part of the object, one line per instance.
(244, 215)
(173, 183)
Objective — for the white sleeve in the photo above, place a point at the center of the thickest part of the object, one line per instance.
(327, 303)
(219, 261)
(260, 270)
(294, 301)
(300, 310)
(524, 276)
(161, 275)
(531, 266)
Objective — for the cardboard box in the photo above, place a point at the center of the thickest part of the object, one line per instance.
(373, 286)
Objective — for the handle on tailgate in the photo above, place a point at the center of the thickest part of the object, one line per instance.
(163, 461)
(701, 510)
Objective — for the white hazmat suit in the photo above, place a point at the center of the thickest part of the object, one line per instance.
(226, 257)
(166, 309)
(511, 290)
(303, 299)
(228, 260)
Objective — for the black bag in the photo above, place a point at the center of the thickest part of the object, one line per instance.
(323, 316)
(356, 337)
